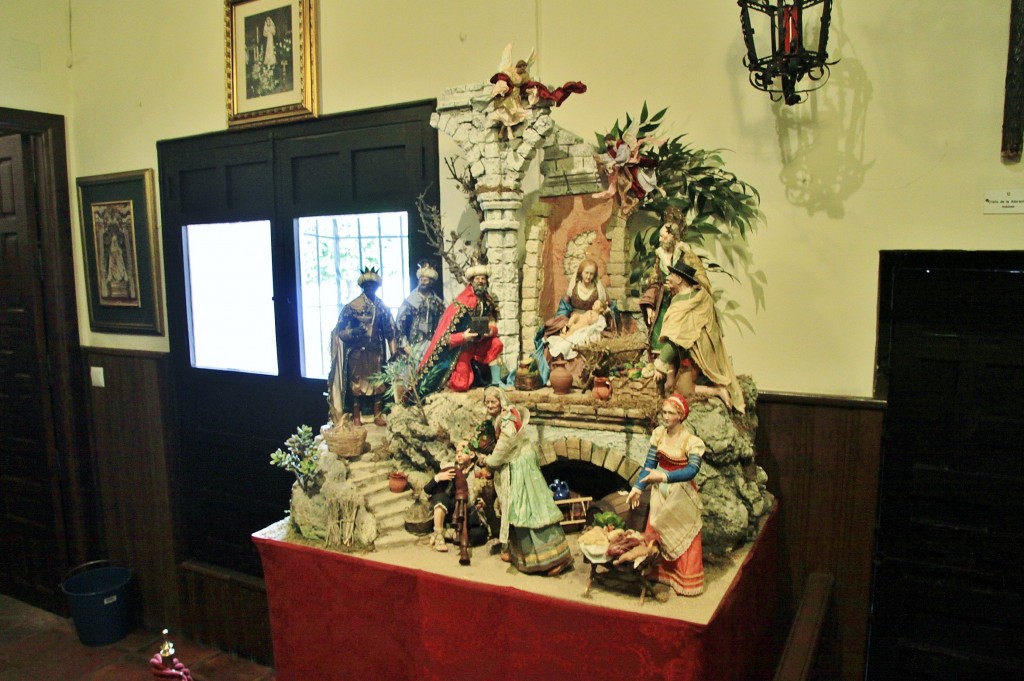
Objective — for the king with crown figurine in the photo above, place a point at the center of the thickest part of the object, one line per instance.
(362, 342)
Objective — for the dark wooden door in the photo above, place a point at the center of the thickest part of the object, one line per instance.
(32, 546)
(947, 596)
(230, 422)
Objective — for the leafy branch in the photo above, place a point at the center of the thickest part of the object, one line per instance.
(717, 210)
(399, 379)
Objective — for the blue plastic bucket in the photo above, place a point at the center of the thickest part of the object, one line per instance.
(99, 601)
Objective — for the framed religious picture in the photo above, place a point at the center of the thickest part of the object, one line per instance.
(117, 213)
(272, 61)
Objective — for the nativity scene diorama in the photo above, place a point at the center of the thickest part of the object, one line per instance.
(574, 407)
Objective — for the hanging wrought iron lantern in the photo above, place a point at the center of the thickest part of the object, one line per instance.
(784, 59)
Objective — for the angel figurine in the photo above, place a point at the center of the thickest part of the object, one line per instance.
(513, 93)
(509, 86)
(629, 172)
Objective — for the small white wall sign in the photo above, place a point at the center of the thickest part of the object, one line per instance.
(1004, 201)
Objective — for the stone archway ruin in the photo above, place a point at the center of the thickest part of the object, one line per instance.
(516, 246)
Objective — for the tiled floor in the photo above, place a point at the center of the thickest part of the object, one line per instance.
(36, 645)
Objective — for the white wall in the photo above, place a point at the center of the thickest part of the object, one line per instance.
(895, 152)
(34, 73)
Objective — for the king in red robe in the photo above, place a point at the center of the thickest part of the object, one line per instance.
(461, 340)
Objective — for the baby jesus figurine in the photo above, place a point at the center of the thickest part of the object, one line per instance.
(581, 330)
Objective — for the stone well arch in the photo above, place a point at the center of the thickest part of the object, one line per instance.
(573, 448)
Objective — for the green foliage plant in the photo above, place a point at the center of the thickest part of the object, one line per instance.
(413, 442)
(609, 519)
(719, 210)
(398, 377)
(302, 458)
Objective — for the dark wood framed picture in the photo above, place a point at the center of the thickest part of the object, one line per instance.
(122, 257)
(272, 61)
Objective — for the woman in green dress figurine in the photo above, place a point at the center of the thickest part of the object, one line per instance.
(531, 535)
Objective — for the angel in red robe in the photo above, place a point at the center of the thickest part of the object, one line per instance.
(630, 173)
(514, 93)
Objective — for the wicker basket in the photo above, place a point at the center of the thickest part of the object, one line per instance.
(609, 353)
(345, 439)
(527, 381)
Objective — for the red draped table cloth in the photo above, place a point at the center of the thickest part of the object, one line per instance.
(339, 616)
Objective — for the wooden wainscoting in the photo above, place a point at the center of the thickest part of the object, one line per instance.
(131, 424)
(822, 456)
(227, 609)
(131, 442)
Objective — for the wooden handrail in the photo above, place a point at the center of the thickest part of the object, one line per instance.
(802, 646)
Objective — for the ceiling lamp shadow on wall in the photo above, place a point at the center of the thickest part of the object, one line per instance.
(786, 46)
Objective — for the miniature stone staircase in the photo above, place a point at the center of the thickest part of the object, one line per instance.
(371, 478)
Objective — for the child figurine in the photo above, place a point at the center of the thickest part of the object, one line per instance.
(447, 489)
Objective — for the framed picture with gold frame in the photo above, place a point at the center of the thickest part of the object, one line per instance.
(272, 61)
(117, 213)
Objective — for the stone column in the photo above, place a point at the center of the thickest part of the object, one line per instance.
(502, 243)
(497, 167)
(533, 273)
(618, 262)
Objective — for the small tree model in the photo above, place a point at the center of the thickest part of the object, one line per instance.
(459, 172)
(301, 458)
(458, 253)
(399, 380)
(413, 442)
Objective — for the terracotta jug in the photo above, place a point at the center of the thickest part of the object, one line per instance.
(560, 378)
(397, 481)
(602, 388)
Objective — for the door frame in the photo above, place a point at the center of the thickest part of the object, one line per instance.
(70, 457)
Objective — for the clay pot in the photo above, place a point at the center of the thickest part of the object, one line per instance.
(602, 388)
(397, 481)
(560, 378)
